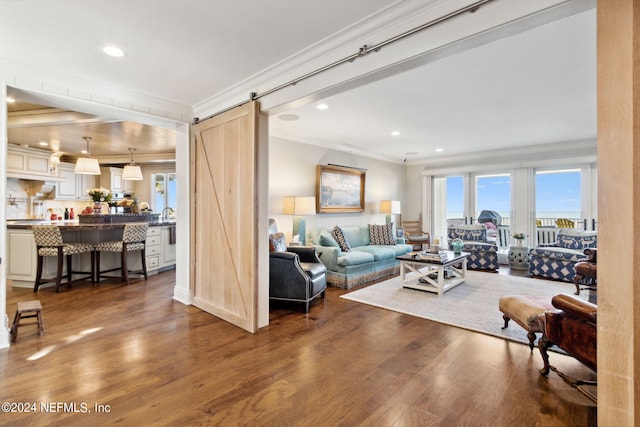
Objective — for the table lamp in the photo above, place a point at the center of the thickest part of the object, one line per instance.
(390, 207)
(298, 206)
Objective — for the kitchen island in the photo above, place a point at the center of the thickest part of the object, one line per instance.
(22, 256)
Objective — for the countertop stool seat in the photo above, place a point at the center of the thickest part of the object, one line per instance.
(525, 310)
(134, 238)
(25, 310)
(49, 243)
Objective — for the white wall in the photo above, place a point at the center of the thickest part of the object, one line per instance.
(292, 172)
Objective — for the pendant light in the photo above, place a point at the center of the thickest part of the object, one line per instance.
(87, 165)
(132, 172)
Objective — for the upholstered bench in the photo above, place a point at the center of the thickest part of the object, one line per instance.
(525, 310)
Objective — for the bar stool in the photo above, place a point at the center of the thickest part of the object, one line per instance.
(49, 243)
(134, 238)
(27, 309)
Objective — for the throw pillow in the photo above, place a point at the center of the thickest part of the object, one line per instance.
(326, 239)
(381, 234)
(277, 243)
(338, 234)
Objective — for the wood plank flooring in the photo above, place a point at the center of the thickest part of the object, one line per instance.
(154, 361)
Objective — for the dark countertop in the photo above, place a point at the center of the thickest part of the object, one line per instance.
(26, 224)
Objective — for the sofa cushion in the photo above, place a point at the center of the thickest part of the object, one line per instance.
(357, 235)
(556, 253)
(477, 232)
(277, 242)
(381, 234)
(354, 258)
(326, 239)
(577, 239)
(472, 246)
(379, 252)
(338, 234)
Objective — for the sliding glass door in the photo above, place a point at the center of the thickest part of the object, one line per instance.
(558, 198)
(459, 199)
(448, 203)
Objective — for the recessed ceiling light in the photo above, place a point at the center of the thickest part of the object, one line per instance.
(113, 51)
(439, 149)
(322, 106)
(395, 133)
(288, 117)
(10, 100)
(43, 143)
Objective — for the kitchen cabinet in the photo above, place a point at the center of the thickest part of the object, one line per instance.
(168, 249)
(160, 253)
(74, 186)
(22, 258)
(111, 178)
(28, 164)
(154, 249)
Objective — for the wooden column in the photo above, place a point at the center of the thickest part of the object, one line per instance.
(618, 71)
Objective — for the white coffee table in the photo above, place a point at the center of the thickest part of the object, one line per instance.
(428, 274)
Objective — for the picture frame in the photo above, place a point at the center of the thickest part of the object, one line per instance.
(339, 189)
(400, 233)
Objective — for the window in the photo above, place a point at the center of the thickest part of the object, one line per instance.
(493, 193)
(164, 192)
(558, 196)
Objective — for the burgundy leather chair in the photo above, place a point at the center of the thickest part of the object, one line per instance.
(587, 274)
(572, 327)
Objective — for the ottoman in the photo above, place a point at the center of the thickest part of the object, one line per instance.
(525, 310)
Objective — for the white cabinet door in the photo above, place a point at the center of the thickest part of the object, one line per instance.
(84, 183)
(111, 178)
(74, 186)
(168, 249)
(22, 258)
(66, 189)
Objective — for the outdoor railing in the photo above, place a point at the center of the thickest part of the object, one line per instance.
(546, 231)
(581, 223)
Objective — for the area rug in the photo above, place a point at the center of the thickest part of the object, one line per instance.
(472, 305)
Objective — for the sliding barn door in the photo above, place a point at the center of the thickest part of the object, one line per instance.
(225, 216)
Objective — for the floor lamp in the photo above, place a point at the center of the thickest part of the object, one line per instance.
(298, 206)
(390, 207)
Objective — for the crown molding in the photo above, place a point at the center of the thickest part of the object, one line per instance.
(553, 154)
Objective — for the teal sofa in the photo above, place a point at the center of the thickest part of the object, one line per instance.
(363, 263)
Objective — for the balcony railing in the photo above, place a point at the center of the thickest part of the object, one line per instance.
(546, 228)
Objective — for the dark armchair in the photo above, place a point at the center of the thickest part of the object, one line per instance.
(572, 327)
(295, 273)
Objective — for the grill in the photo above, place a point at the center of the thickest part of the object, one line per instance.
(490, 216)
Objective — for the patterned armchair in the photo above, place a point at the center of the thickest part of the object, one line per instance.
(484, 254)
(557, 260)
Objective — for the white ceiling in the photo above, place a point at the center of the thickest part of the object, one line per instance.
(537, 87)
(532, 88)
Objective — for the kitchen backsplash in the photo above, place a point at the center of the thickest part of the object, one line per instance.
(21, 205)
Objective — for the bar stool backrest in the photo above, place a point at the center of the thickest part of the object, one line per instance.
(135, 233)
(47, 235)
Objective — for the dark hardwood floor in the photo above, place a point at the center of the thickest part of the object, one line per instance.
(154, 361)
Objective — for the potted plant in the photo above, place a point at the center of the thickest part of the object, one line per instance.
(99, 195)
(519, 237)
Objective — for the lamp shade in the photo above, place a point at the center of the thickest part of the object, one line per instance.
(296, 205)
(87, 166)
(132, 173)
(390, 207)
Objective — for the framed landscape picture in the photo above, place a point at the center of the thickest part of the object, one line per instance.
(339, 189)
